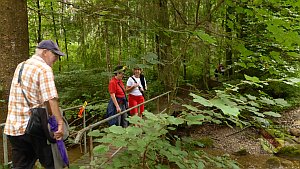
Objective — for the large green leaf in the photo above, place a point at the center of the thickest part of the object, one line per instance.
(294, 80)
(95, 133)
(201, 100)
(252, 103)
(243, 50)
(152, 58)
(251, 97)
(253, 79)
(134, 131)
(119, 143)
(100, 149)
(150, 116)
(192, 108)
(175, 121)
(281, 102)
(141, 143)
(105, 140)
(198, 119)
(116, 129)
(267, 101)
(273, 114)
(205, 37)
(228, 110)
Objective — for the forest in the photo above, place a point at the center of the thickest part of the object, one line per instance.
(231, 63)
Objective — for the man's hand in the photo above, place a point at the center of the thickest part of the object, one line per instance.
(58, 135)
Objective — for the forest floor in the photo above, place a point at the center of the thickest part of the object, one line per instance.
(242, 145)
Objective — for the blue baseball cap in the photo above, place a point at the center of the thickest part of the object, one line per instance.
(50, 45)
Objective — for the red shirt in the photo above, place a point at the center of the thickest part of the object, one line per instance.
(113, 87)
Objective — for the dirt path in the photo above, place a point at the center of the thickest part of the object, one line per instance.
(243, 145)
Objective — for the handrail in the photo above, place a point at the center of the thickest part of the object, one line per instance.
(82, 131)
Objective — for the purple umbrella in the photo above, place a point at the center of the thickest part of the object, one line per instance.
(60, 143)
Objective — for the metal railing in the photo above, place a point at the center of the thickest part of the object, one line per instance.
(4, 139)
(90, 127)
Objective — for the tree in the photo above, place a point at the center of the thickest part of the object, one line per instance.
(163, 46)
(14, 42)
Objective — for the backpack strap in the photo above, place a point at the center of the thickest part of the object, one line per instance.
(139, 86)
(20, 81)
(123, 91)
(135, 81)
(142, 77)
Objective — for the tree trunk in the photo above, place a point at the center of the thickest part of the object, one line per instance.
(64, 31)
(163, 47)
(55, 34)
(107, 50)
(208, 53)
(39, 36)
(14, 49)
(228, 48)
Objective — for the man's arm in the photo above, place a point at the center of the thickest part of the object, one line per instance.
(55, 111)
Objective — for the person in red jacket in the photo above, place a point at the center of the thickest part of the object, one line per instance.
(118, 101)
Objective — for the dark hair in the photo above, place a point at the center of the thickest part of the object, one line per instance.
(119, 69)
(137, 68)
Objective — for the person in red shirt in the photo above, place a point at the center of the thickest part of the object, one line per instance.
(118, 100)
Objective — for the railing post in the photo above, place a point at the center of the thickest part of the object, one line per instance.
(5, 153)
(91, 147)
(168, 103)
(157, 105)
(84, 125)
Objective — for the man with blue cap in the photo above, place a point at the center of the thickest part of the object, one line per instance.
(33, 87)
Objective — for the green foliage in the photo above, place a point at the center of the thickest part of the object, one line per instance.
(80, 86)
(147, 146)
(289, 151)
(191, 143)
(267, 42)
(97, 109)
(237, 107)
(205, 37)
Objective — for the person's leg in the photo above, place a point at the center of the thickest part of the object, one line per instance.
(132, 102)
(23, 155)
(124, 122)
(43, 151)
(140, 99)
(119, 121)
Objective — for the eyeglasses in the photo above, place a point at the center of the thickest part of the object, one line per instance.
(56, 55)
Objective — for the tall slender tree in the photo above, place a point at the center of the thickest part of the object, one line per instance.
(163, 45)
